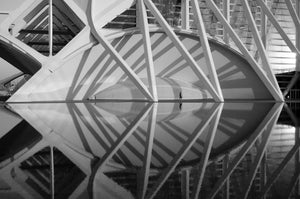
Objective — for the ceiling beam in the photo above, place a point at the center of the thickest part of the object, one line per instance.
(45, 32)
(45, 43)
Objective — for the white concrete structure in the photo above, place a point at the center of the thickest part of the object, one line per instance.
(127, 50)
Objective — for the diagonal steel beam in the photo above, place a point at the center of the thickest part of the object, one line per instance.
(261, 74)
(185, 14)
(189, 58)
(206, 48)
(117, 57)
(147, 48)
(260, 45)
(276, 24)
(293, 12)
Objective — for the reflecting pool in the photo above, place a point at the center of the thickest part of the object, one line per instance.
(147, 150)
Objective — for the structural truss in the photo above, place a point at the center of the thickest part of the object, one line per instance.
(150, 50)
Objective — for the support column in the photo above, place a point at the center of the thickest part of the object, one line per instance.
(50, 28)
(263, 27)
(298, 37)
(185, 14)
(226, 13)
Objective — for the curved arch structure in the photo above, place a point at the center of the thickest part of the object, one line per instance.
(144, 62)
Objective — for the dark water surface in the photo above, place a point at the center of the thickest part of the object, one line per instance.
(144, 150)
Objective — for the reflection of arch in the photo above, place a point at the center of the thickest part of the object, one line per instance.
(105, 127)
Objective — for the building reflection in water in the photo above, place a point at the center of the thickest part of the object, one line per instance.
(145, 150)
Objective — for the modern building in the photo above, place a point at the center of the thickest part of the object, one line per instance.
(118, 57)
(153, 50)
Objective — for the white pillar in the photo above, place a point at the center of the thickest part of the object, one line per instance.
(298, 36)
(50, 28)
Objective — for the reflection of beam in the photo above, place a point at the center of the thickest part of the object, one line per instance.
(52, 188)
(295, 179)
(259, 154)
(147, 48)
(183, 150)
(246, 147)
(227, 185)
(185, 184)
(99, 166)
(143, 175)
(279, 169)
(206, 152)
(261, 74)
(182, 49)
(206, 48)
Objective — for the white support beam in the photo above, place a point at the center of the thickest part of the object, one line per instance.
(226, 13)
(182, 151)
(261, 74)
(298, 37)
(50, 28)
(275, 23)
(263, 27)
(259, 155)
(143, 175)
(185, 14)
(198, 179)
(246, 147)
(293, 13)
(206, 48)
(260, 46)
(116, 56)
(292, 82)
(147, 48)
(184, 52)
